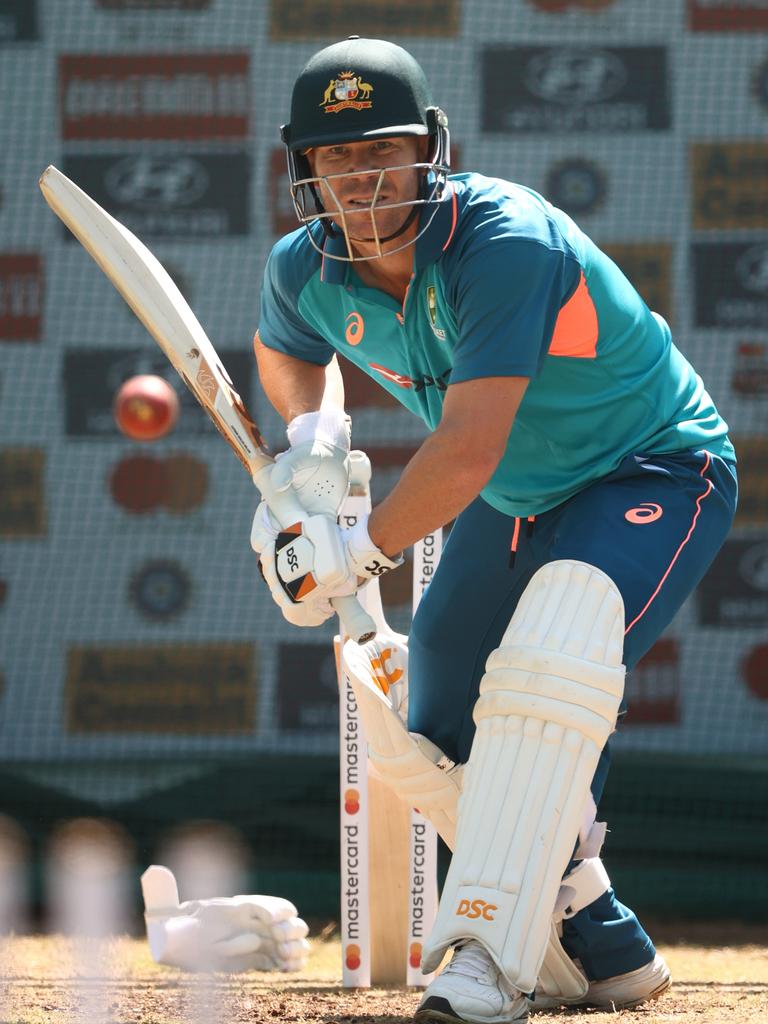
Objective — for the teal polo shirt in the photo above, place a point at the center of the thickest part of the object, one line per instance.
(504, 284)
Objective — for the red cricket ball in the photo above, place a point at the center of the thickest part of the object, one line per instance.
(146, 407)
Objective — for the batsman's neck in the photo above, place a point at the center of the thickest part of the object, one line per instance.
(389, 273)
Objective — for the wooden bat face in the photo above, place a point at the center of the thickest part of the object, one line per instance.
(155, 299)
(148, 289)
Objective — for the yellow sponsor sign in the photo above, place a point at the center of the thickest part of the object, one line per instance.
(752, 453)
(728, 185)
(22, 492)
(190, 690)
(648, 265)
(382, 19)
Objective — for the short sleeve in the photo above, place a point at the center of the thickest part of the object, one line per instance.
(507, 297)
(281, 326)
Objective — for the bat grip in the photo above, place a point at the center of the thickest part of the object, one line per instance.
(355, 621)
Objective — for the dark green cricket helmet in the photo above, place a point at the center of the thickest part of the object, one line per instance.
(361, 89)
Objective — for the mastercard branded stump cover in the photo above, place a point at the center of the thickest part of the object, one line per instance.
(146, 408)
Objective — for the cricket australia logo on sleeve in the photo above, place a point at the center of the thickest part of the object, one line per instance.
(345, 92)
(438, 332)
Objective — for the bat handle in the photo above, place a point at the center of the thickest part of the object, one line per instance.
(355, 621)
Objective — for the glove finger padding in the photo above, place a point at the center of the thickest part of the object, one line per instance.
(264, 529)
(319, 474)
(316, 465)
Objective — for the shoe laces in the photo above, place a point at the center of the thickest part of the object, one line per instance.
(472, 961)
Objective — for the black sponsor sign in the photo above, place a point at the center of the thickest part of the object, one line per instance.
(735, 590)
(92, 377)
(169, 195)
(307, 687)
(730, 284)
(575, 88)
(18, 21)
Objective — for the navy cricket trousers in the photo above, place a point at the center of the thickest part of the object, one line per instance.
(653, 525)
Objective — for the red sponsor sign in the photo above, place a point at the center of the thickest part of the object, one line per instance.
(653, 687)
(154, 96)
(754, 670)
(154, 5)
(559, 6)
(21, 296)
(727, 15)
(284, 219)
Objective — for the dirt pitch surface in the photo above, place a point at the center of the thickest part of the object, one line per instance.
(720, 977)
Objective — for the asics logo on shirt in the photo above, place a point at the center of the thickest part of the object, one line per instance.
(417, 383)
(647, 512)
(355, 329)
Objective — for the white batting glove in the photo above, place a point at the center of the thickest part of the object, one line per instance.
(314, 561)
(316, 465)
(264, 528)
(233, 934)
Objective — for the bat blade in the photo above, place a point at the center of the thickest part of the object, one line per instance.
(152, 295)
(156, 300)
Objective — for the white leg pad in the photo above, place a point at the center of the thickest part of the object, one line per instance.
(548, 703)
(414, 767)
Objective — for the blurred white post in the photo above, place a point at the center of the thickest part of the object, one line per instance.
(14, 897)
(89, 885)
(208, 859)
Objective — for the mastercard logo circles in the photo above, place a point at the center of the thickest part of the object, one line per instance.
(352, 958)
(146, 483)
(351, 801)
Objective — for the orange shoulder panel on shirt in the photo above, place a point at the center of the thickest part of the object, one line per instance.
(575, 331)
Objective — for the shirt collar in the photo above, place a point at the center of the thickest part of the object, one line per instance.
(429, 246)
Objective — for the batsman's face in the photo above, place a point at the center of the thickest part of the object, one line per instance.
(363, 184)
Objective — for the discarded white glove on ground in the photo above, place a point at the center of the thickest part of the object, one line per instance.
(228, 933)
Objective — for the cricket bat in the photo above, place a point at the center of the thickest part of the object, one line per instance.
(152, 295)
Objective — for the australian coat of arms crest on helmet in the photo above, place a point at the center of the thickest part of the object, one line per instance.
(348, 90)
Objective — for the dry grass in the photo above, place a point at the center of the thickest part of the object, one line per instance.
(720, 972)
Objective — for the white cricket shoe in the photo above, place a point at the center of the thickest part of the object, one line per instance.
(620, 992)
(472, 989)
